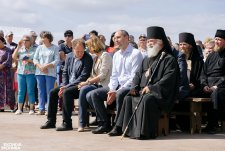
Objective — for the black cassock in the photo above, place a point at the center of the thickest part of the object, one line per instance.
(214, 75)
(163, 90)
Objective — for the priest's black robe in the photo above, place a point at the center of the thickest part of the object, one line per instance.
(214, 75)
(164, 87)
(196, 69)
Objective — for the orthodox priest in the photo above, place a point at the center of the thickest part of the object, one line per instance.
(159, 95)
(213, 82)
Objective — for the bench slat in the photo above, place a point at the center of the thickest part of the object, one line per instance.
(197, 99)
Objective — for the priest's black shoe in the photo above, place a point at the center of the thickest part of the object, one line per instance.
(101, 130)
(48, 125)
(116, 131)
(65, 127)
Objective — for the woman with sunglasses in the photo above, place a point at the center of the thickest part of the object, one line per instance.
(24, 54)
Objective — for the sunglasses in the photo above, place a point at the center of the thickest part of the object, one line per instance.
(26, 40)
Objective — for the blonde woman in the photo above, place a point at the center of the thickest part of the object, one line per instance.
(100, 76)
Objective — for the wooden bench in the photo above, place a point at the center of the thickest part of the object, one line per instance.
(195, 112)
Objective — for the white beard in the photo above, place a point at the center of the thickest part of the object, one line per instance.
(153, 51)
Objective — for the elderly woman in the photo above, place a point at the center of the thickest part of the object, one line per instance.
(6, 92)
(45, 59)
(24, 54)
(100, 76)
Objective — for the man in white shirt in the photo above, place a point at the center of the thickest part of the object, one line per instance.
(126, 61)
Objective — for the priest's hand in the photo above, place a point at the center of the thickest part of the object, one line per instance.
(206, 89)
(111, 97)
(145, 90)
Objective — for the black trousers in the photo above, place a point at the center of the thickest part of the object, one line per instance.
(69, 95)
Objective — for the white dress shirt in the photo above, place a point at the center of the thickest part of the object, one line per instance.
(125, 64)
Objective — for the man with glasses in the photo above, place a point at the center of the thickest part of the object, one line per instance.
(142, 45)
(64, 49)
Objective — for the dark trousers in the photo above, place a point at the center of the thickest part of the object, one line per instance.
(97, 97)
(69, 95)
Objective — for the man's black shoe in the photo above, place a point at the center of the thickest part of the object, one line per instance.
(48, 125)
(116, 131)
(101, 130)
(65, 127)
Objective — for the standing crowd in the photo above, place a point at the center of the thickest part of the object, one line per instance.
(146, 78)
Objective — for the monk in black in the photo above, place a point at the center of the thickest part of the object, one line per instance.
(213, 82)
(194, 61)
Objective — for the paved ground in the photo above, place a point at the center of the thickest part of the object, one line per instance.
(23, 132)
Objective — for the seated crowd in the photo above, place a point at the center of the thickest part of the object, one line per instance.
(139, 81)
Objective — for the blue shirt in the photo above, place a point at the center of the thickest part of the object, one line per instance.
(125, 64)
(45, 55)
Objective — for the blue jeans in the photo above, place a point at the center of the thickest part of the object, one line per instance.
(44, 84)
(83, 104)
(26, 83)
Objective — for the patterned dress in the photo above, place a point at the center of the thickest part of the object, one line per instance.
(6, 84)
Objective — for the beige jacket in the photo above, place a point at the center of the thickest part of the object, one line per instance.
(102, 66)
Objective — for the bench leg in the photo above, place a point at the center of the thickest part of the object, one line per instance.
(195, 118)
(163, 127)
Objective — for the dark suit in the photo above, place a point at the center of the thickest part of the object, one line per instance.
(74, 72)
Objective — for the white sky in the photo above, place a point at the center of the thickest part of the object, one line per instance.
(200, 17)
